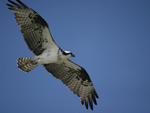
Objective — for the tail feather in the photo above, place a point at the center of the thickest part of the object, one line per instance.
(27, 64)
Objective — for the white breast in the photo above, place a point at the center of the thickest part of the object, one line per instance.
(48, 56)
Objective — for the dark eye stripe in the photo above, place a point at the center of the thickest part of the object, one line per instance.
(65, 53)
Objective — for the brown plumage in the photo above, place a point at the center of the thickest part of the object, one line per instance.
(77, 80)
(55, 60)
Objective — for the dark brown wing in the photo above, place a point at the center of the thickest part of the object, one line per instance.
(76, 79)
(33, 27)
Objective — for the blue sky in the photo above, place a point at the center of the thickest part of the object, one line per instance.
(110, 39)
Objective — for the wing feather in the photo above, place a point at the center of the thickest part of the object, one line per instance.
(38, 38)
(76, 79)
(33, 27)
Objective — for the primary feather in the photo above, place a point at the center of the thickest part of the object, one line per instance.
(36, 34)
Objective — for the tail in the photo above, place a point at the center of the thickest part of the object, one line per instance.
(27, 64)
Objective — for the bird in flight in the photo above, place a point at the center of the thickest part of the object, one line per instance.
(37, 35)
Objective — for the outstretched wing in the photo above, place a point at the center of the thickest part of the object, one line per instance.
(33, 27)
(76, 79)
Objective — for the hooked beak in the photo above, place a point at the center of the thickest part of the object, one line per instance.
(73, 55)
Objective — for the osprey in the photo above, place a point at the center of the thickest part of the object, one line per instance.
(37, 35)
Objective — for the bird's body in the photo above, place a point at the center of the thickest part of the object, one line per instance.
(36, 34)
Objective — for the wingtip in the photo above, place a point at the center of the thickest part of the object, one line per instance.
(95, 93)
(91, 106)
(82, 102)
(8, 4)
(86, 105)
(18, 5)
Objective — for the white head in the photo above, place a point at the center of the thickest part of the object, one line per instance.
(67, 53)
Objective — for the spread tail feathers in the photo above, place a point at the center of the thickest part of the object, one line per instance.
(27, 64)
